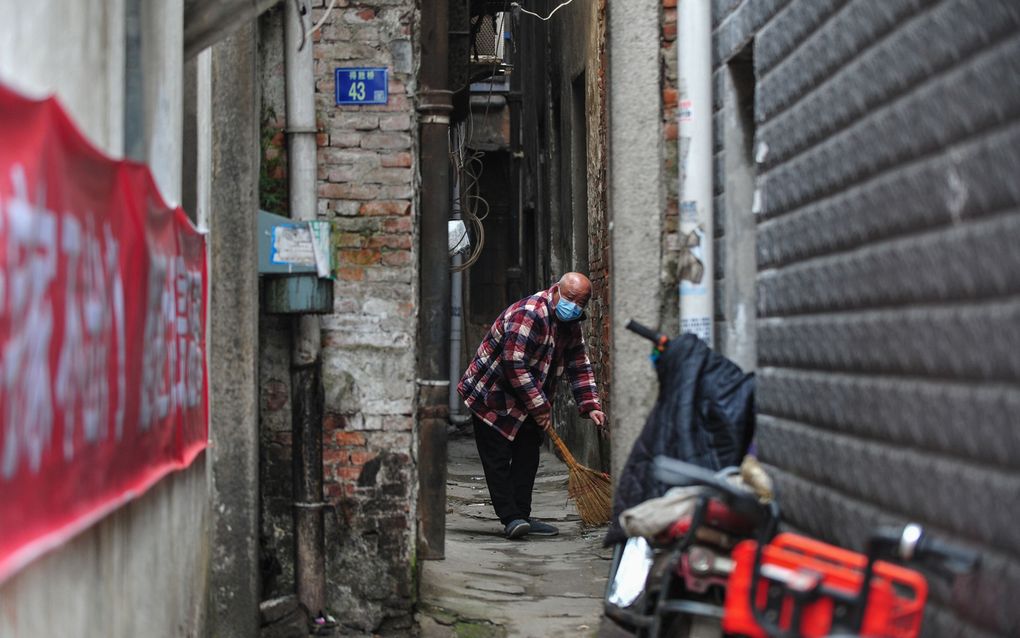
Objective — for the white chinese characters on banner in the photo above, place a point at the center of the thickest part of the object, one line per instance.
(30, 265)
(172, 365)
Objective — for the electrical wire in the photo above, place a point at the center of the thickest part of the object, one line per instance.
(323, 18)
(532, 13)
(469, 167)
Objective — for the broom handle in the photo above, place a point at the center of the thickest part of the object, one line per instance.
(568, 458)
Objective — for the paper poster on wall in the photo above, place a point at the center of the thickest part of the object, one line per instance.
(700, 327)
(692, 264)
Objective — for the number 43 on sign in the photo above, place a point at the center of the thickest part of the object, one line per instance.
(361, 85)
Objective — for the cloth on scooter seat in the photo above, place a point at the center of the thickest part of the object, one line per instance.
(704, 415)
(656, 515)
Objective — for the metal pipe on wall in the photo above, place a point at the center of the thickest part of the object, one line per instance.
(457, 417)
(434, 111)
(306, 362)
(694, 37)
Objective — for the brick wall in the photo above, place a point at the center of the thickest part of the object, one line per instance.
(669, 291)
(599, 334)
(367, 190)
(888, 277)
(367, 187)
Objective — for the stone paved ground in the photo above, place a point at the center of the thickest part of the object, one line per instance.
(530, 588)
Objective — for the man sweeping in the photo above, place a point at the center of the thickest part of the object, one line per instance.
(509, 388)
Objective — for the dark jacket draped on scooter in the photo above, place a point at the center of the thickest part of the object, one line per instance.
(704, 415)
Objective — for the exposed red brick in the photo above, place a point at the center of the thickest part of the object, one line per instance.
(669, 96)
(335, 491)
(395, 242)
(400, 258)
(386, 208)
(396, 160)
(275, 395)
(360, 458)
(670, 130)
(336, 458)
(351, 274)
(402, 225)
(348, 473)
(669, 32)
(349, 438)
(366, 14)
(334, 422)
(362, 257)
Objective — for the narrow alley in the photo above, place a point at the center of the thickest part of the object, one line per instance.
(282, 280)
(489, 586)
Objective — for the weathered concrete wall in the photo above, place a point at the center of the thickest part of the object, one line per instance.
(888, 275)
(276, 476)
(152, 554)
(82, 61)
(636, 205)
(162, 51)
(367, 189)
(233, 335)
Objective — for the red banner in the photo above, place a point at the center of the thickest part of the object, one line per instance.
(102, 332)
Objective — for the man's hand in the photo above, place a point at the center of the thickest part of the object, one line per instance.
(599, 417)
(544, 420)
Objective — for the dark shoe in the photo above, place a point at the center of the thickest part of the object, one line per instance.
(517, 528)
(538, 528)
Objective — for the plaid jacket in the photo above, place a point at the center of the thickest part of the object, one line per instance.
(507, 379)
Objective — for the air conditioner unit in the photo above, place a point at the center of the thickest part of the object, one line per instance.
(489, 37)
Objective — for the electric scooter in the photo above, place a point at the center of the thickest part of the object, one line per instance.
(724, 570)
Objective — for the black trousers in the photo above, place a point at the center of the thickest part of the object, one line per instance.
(510, 467)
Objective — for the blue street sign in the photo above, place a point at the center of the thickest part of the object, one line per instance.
(362, 85)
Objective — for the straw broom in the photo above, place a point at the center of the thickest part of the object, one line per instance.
(591, 490)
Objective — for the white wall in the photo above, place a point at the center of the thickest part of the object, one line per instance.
(142, 570)
(74, 48)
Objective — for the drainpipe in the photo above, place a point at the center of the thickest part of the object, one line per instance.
(456, 319)
(306, 360)
(694, 38)
(434, 109)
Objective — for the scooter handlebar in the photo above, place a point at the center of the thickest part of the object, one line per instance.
(914, 543)
(644, 331)
(955, 559)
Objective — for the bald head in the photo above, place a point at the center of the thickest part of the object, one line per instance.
(575, 287)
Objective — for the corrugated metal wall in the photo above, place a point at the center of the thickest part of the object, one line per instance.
(889, 275)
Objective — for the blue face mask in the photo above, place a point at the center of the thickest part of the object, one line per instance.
(567, 310)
